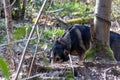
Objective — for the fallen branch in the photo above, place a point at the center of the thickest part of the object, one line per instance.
(79, 20)
(53, 11)
(40, 75)
(75, 21)
(67, 23)
(36, 49)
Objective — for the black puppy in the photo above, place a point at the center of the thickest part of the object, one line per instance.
(76, 40)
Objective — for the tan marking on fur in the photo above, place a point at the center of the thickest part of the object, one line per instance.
(74, 53)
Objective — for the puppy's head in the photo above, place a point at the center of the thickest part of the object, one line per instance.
(59, 53)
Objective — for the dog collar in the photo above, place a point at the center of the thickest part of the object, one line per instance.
(61, 41)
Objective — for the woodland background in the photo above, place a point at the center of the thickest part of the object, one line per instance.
(48, 28)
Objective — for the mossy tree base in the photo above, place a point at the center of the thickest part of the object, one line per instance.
(99, 53)
(69, 75)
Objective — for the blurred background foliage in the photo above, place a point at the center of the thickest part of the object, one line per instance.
(65, 9)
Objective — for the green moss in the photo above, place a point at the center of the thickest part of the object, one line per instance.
(49, 69)
(69, 75)
(54, 79)
(99, 52)
(79, 20)
(4, 67)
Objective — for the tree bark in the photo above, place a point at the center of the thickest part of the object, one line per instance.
(8, 19)
(102, 21)
(9, 30)
(100, 49)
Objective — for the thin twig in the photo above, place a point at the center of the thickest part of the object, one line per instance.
(6, 44)
(30, 35)
(41, 76)
(71, 64)
(53, 11)
(106, 73)
(36, 49)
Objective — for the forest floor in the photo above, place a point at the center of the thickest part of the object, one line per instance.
(78, 70)
(43, 70)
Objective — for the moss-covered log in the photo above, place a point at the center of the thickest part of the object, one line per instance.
(79, 20)
(62, 23)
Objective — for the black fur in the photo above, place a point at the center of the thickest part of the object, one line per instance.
(77, 38)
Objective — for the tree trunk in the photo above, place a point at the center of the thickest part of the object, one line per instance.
(100, 49)
(9, 30)
(8, 19)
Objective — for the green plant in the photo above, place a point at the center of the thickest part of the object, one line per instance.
(5, 68)
(19, 33)
(1, 38)
(69, 75)
(50, 33)
(79, 9)
(2, 24)
(2, 30)
(22, 31)
(115, 8)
